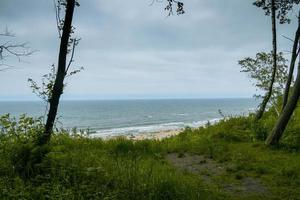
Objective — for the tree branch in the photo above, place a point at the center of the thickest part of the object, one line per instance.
(72, 54)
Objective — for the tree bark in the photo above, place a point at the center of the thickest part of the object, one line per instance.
(292, 66)
(263, 105)
(61, 73)
(286, 114)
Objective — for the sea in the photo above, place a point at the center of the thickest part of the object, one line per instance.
(103, 118)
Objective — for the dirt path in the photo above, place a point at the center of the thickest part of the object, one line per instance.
(212, 172)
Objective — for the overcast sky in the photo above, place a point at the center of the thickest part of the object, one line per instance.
(132, 50)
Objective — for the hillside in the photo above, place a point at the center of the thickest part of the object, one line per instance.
(224, 161)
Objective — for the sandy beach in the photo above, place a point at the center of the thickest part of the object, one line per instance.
(159, 135)
(155, 135)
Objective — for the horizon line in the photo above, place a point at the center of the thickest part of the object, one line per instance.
(128, 99)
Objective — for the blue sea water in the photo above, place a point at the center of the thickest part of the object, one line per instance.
(119, 117)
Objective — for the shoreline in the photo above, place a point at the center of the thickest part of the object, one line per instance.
(159, 135)
(153, 135)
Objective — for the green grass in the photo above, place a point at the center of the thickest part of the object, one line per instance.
(79, 168)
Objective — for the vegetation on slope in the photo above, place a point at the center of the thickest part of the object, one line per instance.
(230, 161)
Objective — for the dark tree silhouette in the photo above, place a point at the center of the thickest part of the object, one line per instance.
(283, 7)
(67, 46)
(170, 6)
(179, 5)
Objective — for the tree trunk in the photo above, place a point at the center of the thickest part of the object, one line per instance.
(274, 43)
(286, 114)
(61, 72)
(292, 66)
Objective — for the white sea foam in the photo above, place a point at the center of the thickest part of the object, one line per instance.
(134, 130)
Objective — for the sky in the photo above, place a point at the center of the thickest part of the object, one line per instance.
(132, 50)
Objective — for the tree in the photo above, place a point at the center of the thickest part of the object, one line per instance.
(286, 114)
(271, 8)
(8, 48)
(179, 9)
(288, 110)
(259, 70)
(67, 46)
(295, 53)
(169, 7)
(53, 84)
(282, 7)
(276, 9)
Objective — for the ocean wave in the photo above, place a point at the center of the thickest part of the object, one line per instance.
(134, 130)
(181, 114)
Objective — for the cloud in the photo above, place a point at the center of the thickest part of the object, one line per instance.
(132, 50)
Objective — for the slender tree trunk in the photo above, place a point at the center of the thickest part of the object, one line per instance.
(286, 114)
(274, 43)
(61, 72)
(292, 66)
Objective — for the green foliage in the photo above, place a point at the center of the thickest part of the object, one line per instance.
(259, 69)
(18, 137)
(281, 6)
(76, 167)
(25, 129)
(291, 138)
(238, 143)
(45, 90)
(82, 168)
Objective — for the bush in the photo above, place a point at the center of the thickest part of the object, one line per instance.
(24, 130)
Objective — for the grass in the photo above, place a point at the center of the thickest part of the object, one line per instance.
(76, 167)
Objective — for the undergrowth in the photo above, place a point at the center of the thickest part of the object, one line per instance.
(76, 167)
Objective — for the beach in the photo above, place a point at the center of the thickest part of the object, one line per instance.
(155, 135)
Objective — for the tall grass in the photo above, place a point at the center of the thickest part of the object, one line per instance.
(76, 167)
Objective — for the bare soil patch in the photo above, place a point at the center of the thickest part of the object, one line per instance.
(209, 170)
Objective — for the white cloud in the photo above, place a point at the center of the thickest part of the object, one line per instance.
(130, 49)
